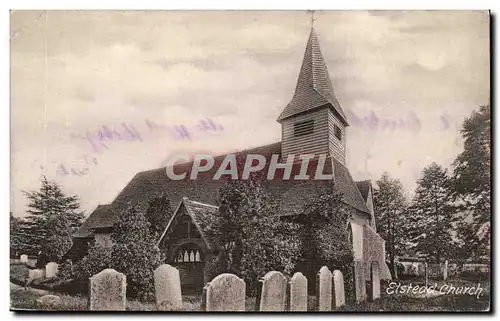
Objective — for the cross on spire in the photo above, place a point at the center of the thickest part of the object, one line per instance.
(312, 18)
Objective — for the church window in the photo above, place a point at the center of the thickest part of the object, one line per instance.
(188, 254)
(303, 128)
(338, 132)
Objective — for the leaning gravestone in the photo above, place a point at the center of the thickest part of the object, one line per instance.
(108, 291)
(51, 270)
(375, 281)
(359, 281)
(298, 293)
(23, 258)
(338, 289)
(273, 292)
(226, 292)
(324, 289)
(167, 288)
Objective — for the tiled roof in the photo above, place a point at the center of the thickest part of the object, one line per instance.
(291, 195)
(314, 88)
(364, 188)
(201, 214)
(92, 221)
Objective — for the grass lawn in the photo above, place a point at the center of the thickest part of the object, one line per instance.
(446, 302)
(22, 298)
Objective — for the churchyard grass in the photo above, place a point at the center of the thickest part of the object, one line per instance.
(447, 302)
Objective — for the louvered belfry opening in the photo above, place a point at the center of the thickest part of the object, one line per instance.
(303, 128)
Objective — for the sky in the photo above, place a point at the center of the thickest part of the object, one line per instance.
(155, 83)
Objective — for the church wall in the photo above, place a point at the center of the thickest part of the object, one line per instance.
(337, 147)
(369, 204)
(103, 239)
(313, 143)
(374, 250)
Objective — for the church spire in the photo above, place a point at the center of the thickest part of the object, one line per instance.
(314, 88)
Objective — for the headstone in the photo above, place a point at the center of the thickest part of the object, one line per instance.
(324, 289)
(273, 292)
(426, 274)
(298, 293)
(36, 274)
(167, 288)
(51, 270)
(23, 258)
(359, 281)
(49, 300)
(445, 270)
(375, 281)
(108, 291)
(338, 289)
(226, 292)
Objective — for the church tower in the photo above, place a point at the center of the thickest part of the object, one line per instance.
(313, 122)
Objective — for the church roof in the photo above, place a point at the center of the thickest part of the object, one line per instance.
(92, 221)
(364, 188)
(291, 195)
(314, 88)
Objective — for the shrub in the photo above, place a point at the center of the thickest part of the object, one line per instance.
(326, 238)
(98, 259)
(135, 252)
(252, 238)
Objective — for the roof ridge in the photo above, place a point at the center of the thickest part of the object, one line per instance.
(199, 203)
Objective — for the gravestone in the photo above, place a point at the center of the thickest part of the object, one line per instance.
(324, 289)
(167, 288)
(36, 274)
(51, 270)
(108, 291)
(273, 292)
(359, 281)
(375, 281)
(426, 275)
(23, 258)
(445, 270)
(298, 293)
(52, 301)
(338, 289)
(226, 292)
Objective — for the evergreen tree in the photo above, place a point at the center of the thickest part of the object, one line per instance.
(252, 238)
(135, 252)
(16, 246)
(324, 226)
(51, 220)
(391, 210)
(472, 185)
(158, 214)
(432, 214)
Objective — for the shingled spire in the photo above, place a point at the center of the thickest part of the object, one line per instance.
(314, 88)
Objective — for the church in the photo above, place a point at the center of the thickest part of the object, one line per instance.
(312, 123)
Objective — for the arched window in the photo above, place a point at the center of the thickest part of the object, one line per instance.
(188, 253)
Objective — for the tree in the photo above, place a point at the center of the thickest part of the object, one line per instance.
(52, 219)
(432, 214)
(16, 245)
(158, 214)
(324, 224)
(135, 252)
(472, 185)
(391, 208)
(252, 238)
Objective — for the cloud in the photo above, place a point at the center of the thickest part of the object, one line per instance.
(73, 72)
